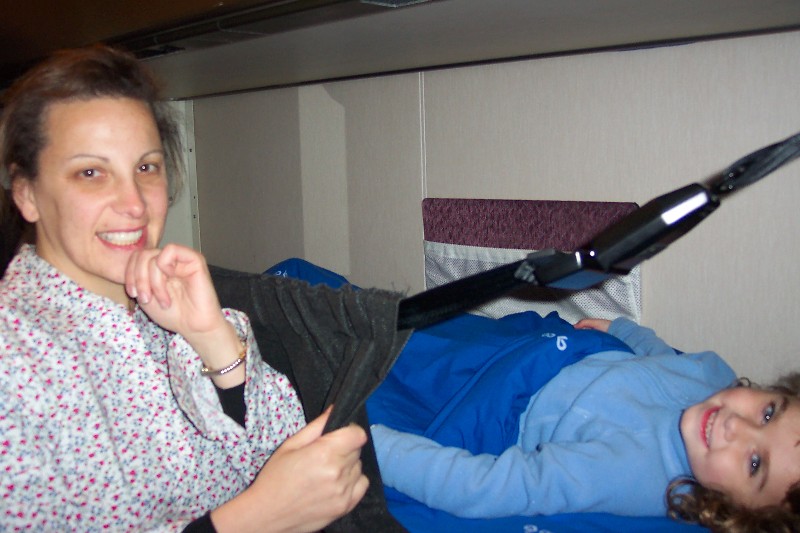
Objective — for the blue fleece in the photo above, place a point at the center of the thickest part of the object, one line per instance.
(601, 436)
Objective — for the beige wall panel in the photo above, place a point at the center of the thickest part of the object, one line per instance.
(632, 125)
(248, 178)
(327, 172)
(323, 163)
(382, 136)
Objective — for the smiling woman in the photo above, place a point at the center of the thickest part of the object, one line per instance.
(72, 77)
(109, 342)
(99, 196)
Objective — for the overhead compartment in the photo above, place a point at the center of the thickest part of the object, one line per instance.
(203, 47)
(356, 38)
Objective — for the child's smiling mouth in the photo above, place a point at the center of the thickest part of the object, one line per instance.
(707, 424)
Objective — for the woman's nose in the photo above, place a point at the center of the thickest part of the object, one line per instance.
(130, 200)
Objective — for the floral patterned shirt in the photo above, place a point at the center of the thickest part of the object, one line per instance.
(105, 420)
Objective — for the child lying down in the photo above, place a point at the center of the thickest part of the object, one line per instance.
(599, 417)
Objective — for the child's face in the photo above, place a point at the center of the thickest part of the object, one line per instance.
(745, 443)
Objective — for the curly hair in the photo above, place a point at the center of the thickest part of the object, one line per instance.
(689, 501)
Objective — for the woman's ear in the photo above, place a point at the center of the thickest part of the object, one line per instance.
(25, 198)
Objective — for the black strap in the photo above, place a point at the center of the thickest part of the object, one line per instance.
(616, 250)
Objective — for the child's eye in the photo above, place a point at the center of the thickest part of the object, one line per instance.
(755, 464)
(769, 412)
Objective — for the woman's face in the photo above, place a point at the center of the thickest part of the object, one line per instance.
(745, 443)
(101, 192)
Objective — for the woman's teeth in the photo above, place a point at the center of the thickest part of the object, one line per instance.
(121, 238)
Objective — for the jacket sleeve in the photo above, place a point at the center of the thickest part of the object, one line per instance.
(556, 478)
(272, 408)
(642, 340)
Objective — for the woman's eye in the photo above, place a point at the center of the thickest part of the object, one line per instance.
(88, 173)
(769, 412)
(148, 167)
(755, 464)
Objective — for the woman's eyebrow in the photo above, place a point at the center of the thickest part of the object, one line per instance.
(88, 156)
(157, 151)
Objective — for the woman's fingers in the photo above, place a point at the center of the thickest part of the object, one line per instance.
(312, 479)
(137, 277)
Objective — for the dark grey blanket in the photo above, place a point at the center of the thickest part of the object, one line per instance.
(335, 346)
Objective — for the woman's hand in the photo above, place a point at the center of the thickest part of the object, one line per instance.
(310, 481)
(173, 286)
(598, 324)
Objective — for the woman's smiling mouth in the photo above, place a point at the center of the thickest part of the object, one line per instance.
(122, 238)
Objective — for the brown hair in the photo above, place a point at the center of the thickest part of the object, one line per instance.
(80, 74)
(689, 501)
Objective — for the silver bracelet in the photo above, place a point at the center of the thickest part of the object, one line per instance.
(207, 372)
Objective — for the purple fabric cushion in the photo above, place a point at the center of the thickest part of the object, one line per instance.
(521, 224)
